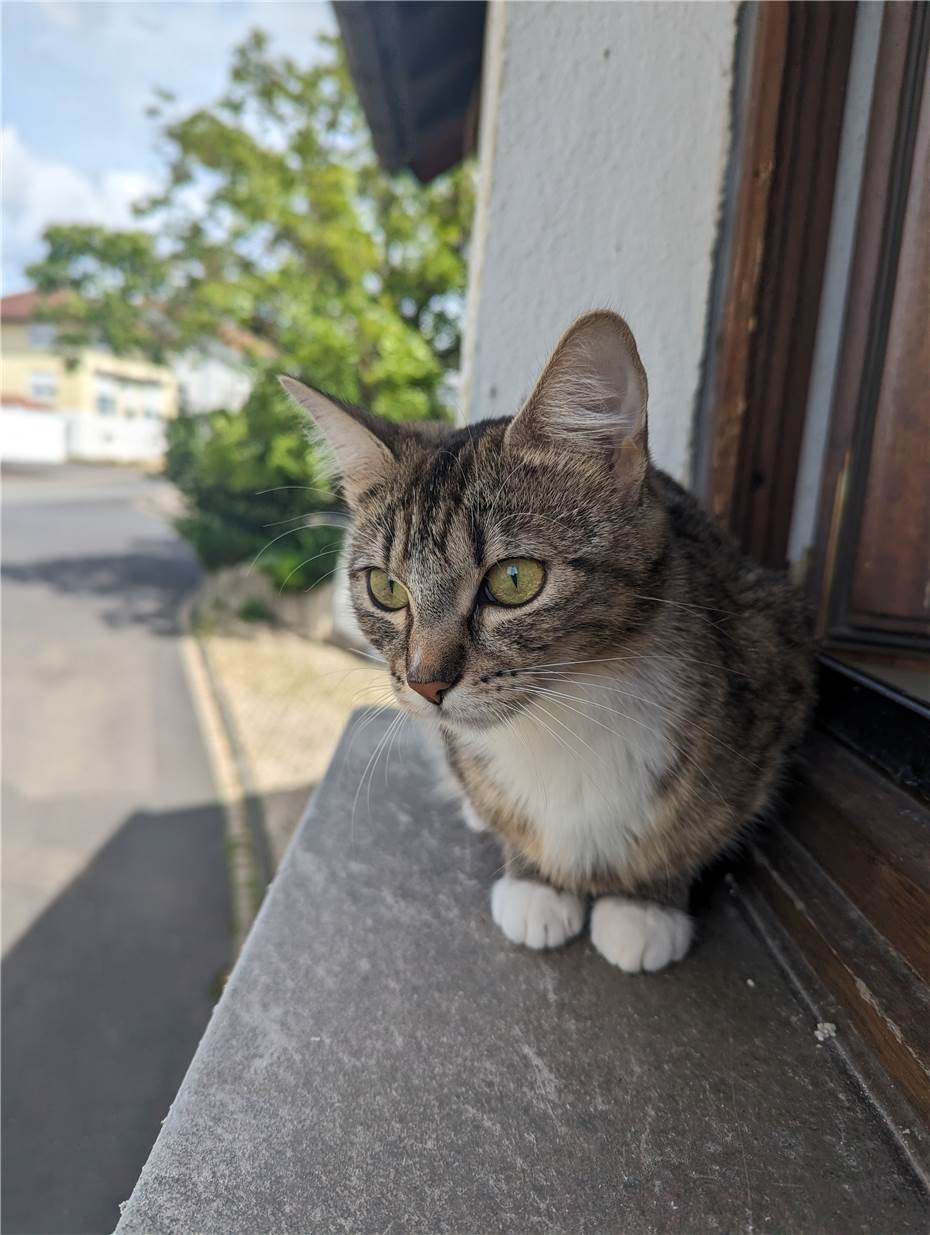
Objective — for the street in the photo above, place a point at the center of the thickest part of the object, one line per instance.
(115, 925)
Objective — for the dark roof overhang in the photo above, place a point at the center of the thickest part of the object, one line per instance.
(416, 65)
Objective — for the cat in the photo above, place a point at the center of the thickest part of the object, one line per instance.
(618, 688)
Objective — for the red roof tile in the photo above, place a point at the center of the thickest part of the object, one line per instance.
(21, 306)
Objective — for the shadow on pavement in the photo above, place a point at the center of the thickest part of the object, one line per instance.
(104, 1001)
(143, 584)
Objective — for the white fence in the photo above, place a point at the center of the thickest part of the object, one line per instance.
(28, 436)
(32, 437)
(114, 439)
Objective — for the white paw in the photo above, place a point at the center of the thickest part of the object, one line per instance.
(534, 914)
(638, 935)
(472, 819)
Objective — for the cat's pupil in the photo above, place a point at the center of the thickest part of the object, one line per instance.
(513, 573)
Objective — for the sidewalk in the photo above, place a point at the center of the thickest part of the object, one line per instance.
(287, 699)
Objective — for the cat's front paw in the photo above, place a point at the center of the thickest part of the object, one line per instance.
(639, 936)
(535, 914)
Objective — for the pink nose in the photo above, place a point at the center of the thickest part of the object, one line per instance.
(433, 691)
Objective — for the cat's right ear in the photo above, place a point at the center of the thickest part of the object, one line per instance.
(356, 446)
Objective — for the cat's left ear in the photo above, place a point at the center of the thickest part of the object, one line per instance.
(358, 447)
(591, 398)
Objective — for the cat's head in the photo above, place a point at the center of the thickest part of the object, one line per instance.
(483, 559)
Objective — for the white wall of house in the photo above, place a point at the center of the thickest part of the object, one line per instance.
(209, 381)
(604, 145)
(114, 439)
(31, 436)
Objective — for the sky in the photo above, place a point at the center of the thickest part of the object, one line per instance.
(77, 77)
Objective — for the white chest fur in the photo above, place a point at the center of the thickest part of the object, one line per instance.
(582, 764)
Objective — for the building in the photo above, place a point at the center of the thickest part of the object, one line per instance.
(36, 373)
(98, 405)
(219, 373)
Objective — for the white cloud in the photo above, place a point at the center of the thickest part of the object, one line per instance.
(65, 16)
(77, 79)
(38, 191)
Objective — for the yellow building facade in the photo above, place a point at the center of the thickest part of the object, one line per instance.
(33, 372)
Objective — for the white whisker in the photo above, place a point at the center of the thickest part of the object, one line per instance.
(634, 656)
(322, 579)
(383, 746)
(306, 488)
(570, 678)
(306, 562)
(683, 604)
(361, 783)
(290, 519)
(268, 546)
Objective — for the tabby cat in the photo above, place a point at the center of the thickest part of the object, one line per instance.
(618, 689)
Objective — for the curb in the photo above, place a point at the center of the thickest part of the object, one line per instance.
(248, 854)
(254, 806)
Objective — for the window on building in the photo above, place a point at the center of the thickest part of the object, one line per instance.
(43, 387)
(153, 400)
(106, 391)
(42, 336)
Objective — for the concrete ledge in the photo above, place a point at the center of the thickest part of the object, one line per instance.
(383, 1060)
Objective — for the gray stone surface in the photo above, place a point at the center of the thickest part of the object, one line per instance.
(383, 1060)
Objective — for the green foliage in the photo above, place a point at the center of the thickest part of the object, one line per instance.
(250, 480)
(274, 218)
(111, 281)
(255, 610)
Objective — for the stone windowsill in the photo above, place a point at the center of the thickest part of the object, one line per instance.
(382, 1060)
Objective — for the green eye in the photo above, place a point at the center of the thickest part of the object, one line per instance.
(386, 592)
(515, 580)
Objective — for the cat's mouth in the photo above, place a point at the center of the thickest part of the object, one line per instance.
(462, 707)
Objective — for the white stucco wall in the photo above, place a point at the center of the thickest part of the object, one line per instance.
(604, 141)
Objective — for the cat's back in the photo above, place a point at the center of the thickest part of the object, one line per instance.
(717, 566)
(748, 618)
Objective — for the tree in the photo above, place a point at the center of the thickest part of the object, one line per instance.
(274, 217)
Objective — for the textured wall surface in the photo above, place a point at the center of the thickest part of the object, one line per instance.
(605, 137)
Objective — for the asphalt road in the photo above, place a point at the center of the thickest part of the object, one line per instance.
(115, 924)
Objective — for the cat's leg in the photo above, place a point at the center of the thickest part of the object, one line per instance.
(643, 935)
(532, 912)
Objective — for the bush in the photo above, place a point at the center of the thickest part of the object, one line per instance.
(255, 610)
(245, 476)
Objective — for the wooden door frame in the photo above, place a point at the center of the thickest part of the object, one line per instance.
(762, 341)
(867, 765)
